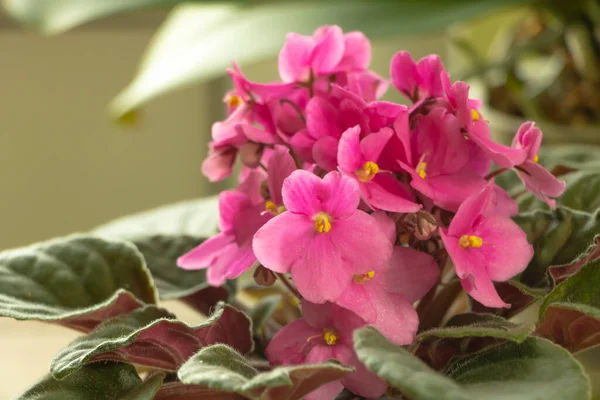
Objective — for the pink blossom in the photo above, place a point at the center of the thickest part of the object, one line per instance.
(322, 239)
(417, 80)
(242, 212)
(442, 169)
(536, 178)
(485, 245)
(358, 159)
(383, 297)
(324, 333)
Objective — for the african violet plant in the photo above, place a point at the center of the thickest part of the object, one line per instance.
(352, 210)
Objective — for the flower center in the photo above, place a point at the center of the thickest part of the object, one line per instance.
(234, 101)
(273, 208)
(536, 158)
(322, 222)
(363, 278)
(467, 241)
(367, 172)
(330, 337)
(475, 116)
(421, 167)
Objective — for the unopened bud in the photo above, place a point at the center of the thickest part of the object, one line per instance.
(263, 276)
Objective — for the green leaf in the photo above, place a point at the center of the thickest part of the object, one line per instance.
(262, 311)
(576, 156)
(466, 334)
(558, 238)
(561, 272)
(189, 47)
(570, 314)
(98, 381)
(220, 367)
(582, 193)
(534, 369)
(179, 391)
(77, 281)
(149, 337)
(197, 218)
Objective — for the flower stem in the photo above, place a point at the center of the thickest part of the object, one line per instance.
(288, 285)
(495, 173)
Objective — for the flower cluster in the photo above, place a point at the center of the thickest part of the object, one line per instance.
(359, 199)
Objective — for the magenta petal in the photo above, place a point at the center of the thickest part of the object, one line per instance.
(303, 143)
(367, 84)
(541, 182)
(410, 273)
(342, 197)
(479, 203)
(234, 262)
(361, 242)
(504, 156)
(325, 152)
(356, 299)
(386, 193)
(317, 315)
(329, 50)
(301, 192)
(464, 261)
(363, 382)
(529, 138)
(282, 241)
(480, 287)
(281, 165)
(294, 58)
(319, 271)
(327, 391)
(357, 52)
(372, 145)
(288, 345)
(206, 253)
(230, 203)
(430, 68)
(219, 164)
(386, 224)
(451, 190)
(505, 247)
(321, 118)
(404, 73)
(349, 155)
(396, 318)
(505, 205)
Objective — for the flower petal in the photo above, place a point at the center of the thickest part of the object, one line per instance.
(318, 316)
(386, 193)
(357, 52)
(363, 382)
(450, 191)
(430, 69)
(329, 49)
(480, 287)
(219, 164)
(410, 273)
(206, 253)
(281, 165)
(289, 343)
(396, 318)
(283, 240)
(372, 145)
(404, 73)
(321, 118)
(342, 195)
(327, 391)
(325, 152)
(356, 299)
(478, 204)
(386, 224)
(349, 155)
(541, 182)
(294, 58)
(230, 265)
(301, 193)
(504, 156)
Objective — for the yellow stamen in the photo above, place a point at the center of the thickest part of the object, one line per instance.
(363, 278)
(330, 337)
(475, 115)
(536, 158)
(467, 241)
(421, 167)
(367, 172)
(322, 222)
(273, 208)
(234, 101)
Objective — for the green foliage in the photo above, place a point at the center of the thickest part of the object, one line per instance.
(533, 369)
(220, 367)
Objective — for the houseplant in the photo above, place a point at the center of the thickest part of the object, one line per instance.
(395, 257)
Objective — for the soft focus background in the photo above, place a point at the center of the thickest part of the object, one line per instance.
(67, 167)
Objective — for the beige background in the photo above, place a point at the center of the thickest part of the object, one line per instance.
(64, 167)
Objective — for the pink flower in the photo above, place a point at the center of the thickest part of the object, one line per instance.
(383, 297)
(485, 245)
(324, 333)
(443, 168)
(358, 159)
(419, 80)
(241, 212)
(327, 51)
(536, 178)
(322, 239)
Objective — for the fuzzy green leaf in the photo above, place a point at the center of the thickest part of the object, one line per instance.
(262, 311)
(77, 281)
(150, 337)
(220, 367)
(98, 381)
(531, 370)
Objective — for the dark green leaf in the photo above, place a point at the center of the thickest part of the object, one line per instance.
(148, 337)
(76, 281)
(179, 391)
(534, 369)
(558, 238)
(466, 334)
(575, 156)
(561, 272)
(220, 367)
(98, 381)
(189, 47)
(570, 314)
(262, 311)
